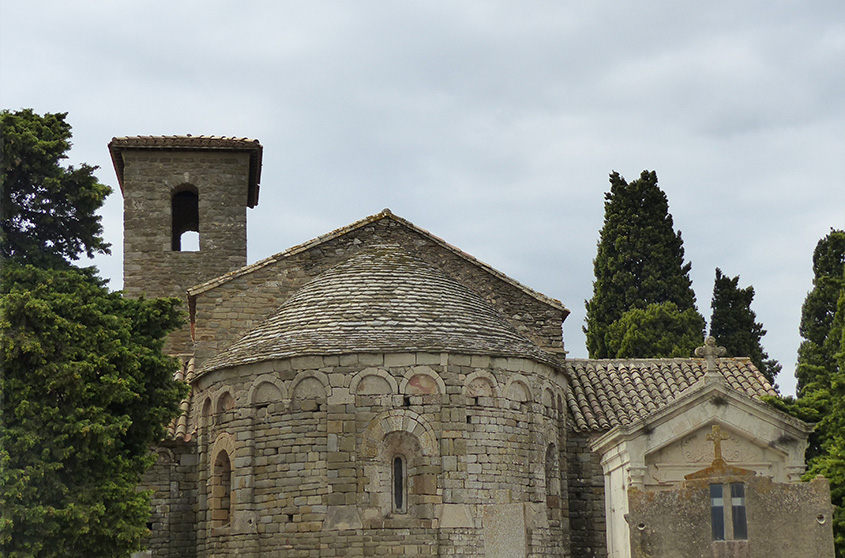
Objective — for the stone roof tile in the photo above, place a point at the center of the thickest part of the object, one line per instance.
(608, 393)
(381, 300)
(385, 214)
(185, 142)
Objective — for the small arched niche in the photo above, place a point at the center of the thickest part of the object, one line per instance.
(310, 392)
(480, 389)
(225, 403)
(518, 391)
(184, 211)
(372, 384)
(264, 393)
(206, 413)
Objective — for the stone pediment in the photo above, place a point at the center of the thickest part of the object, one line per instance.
(669, 465)
(696, 450)
(735, 448)
(672, 442)
(657, 452)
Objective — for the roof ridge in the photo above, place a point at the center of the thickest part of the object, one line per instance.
(384, 214)
(165, 140)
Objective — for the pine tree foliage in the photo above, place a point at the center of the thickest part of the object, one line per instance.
(816, 354)
(86, 393)
(47, 211)
(85, 388)
(639, 262)
(733, 324)
(660, 331)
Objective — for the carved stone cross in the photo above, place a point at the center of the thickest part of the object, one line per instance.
(711, 353)
(716, 437)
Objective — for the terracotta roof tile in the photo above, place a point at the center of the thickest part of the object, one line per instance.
(608, 393)
(252, 146)
(178, 427)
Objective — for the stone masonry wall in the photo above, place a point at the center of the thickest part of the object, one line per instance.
(311, 441)
(150, 266)
(784, 520)
(229, 310)
(586, 497)
(173, 480)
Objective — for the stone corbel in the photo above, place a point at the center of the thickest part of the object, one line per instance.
(636, 476)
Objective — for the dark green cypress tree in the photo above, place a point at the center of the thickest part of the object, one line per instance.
(640, 261)
(658, 331)
(816, 354)
(827, 395)
(733, 324)
(821, 375)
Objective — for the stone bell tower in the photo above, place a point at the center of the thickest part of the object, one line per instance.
(181, 189)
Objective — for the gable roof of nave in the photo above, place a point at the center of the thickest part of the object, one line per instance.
(384, 214)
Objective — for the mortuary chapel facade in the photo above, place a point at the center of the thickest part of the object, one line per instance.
(378, 392)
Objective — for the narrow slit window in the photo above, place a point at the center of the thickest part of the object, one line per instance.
(399, 485)
(552, 478)
(186, 221)
(740, 524)
(717, 512)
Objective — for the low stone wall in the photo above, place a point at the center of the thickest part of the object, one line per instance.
(173, 480)
(789, 520)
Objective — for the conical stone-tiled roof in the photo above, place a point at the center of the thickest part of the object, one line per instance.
(382, 300)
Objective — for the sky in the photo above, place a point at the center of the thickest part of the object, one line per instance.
(494, 125)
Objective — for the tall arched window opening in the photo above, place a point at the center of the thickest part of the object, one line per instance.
(400, 484)
(186, 219)
(403, 476)
(552, 478)
(221, 491)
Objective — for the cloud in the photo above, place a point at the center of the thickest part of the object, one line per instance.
(492, 124)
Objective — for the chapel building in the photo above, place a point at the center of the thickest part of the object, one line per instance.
(378, 392)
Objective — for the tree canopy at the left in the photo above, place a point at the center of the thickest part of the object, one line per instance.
(86, 389)
(47, 210)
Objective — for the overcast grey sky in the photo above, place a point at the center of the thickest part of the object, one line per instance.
(492, 124)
